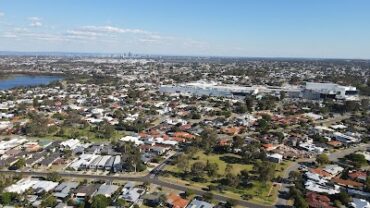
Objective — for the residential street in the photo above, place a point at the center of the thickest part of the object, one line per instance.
(284, 188)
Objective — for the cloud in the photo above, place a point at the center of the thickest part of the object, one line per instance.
(35, 21)
(103, 38)
(111, 30)
(2, 14)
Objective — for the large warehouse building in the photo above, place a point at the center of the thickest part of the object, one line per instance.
(309, 91)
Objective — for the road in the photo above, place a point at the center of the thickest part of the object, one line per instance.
(333, 120)
(153, 178)
(148, 178)
(284, 188)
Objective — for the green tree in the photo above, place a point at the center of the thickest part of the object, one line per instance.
(100, 201)
(54, 176)
(121, 202)
(228, 169)
(49, 201)
(211, 169)
(367, 184)
(197, 169)
(6, 198)
(322, 159)
(265, 170)
(208, 196)
(358, 160)
(300, 202)
(343, 197)
(182, 162)
(18, 165)
(238, 142)
(208, 139)
(188, 193)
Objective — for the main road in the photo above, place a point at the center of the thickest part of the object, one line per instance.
(152, 178)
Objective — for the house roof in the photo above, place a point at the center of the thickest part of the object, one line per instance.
(107, 190)
(176, 201)
(357, 175)
(320, 172)
(348, 183)
(360, 203)
(318, 200)
(335, 143)
(199, 204)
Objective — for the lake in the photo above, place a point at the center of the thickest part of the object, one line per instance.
(23, 80)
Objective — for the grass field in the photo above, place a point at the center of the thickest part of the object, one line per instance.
(84, 132)
(261, 192)
(219, 159)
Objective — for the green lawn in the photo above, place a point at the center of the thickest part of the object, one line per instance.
(84, 132)
(259, 191)
(214, 158)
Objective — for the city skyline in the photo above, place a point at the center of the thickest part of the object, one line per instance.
(313, 29)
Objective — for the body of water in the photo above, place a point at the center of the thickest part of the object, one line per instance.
(22, 80)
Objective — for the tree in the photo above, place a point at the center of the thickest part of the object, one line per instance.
(208, 139)
(208, 196)
(263, 125)
(280, 136)
(250, 151)
(197, 169)
(343, 197)
(6, 198)
(230, 203)
(228, 169)
(121, 202)
(244, 177)
(182, 162)
(241, 108)
(105, 131)
(367, 184)
(297, 195)
(265, 170)
(100, 201)
(238, 142)
(300, 202)
(358, 160)
(49, 201)
(294, 175)
(18, 165)
(211, 168)
(188, 193)
(53, 176)
(249, 101)
(322, 159)
(231, 180)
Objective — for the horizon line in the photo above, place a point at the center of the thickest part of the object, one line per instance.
(44, 53)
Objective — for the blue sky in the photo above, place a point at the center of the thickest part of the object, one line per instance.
(253, 28)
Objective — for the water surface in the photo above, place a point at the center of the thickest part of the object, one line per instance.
(23, 80)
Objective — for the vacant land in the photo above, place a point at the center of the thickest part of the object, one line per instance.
(258, 192)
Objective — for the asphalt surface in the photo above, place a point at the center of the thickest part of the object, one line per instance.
(153, 180)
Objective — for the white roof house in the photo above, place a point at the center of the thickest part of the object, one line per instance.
(21, 186)
(321, 188)
(133, 139)
(71, 143)
(107, 190)
(333, 169)
(345, 138)
(45, 185)
(360, 203)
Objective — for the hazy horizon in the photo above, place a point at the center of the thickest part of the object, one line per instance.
(266, 29)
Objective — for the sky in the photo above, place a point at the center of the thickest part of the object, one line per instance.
(248, 28)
